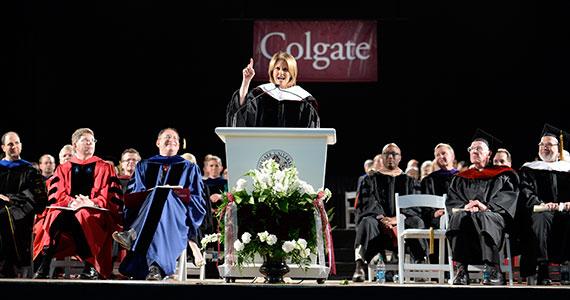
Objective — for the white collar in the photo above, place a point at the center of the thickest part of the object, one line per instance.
(560, 166)
(294, 93)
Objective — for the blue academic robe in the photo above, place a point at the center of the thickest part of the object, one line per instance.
(163, 218)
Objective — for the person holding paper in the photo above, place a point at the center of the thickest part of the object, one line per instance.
(484, 199)
(164, 207)
(545, 184)
(22, 194)
(279, 103)
(83, 211)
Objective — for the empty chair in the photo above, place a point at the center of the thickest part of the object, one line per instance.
(410, 269)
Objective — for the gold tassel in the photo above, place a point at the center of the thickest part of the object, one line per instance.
(431, 241)
(12, 231)
(184, 143)
(561, 146)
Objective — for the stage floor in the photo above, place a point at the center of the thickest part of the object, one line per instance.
(248, 289)
(259, 282)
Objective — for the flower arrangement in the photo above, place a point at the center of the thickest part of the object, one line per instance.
(208, 239)
(275, 220)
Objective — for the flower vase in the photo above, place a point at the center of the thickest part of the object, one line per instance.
(273, 269)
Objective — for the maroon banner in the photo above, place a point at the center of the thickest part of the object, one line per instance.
(339, 51)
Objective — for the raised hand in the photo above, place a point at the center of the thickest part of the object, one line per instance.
(247, 75)
(248, 71)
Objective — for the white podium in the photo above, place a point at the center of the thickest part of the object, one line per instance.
(304, 148)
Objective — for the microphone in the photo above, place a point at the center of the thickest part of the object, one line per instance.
(313, 110)
(234, 121)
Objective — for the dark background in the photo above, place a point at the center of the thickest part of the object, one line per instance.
(71, 64)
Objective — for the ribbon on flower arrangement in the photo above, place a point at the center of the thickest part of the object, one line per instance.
(230, 232)
(326, 227)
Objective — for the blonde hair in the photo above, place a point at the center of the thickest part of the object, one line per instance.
(291, 66)
(80, 132)
(443, 145)
(189, 157)
(210, 157)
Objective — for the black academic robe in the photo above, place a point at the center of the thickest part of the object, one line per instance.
(544, 236)
(436, 183)
(377, 194)
(262, 110)
(377, 197)
(477, 237)
(24, 185)
(212, 186)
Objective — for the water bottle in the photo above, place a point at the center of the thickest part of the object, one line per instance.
(486, 273)
(564, 273)
(380, 271)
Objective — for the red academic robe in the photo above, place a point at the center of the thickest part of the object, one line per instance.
(101, 187)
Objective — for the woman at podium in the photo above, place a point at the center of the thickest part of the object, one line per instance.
(279, 103)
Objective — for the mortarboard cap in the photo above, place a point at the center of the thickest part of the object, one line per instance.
(561, 135)
(492, 142)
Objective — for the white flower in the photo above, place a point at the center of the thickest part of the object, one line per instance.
(328, 192)
(279, 187)
(279, 176)
(271, 240)
(301, 244)
(240, 184)
(263, 236)
(288, 246)
(293, 186)
(305, 253)
(209, 238)
(246, 237)
(262, 179)
(238, 245)
(306, 188)
(269, 186)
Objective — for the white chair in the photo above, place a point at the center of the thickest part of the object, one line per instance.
(391, 264)
(184, 268)
(408, 270)
(69, 265)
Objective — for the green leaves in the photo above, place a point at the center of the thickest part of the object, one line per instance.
(276, 202)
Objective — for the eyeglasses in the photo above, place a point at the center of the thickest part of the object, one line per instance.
(130, 160)
(547, 145)
(168, 136)
(87, 140)
(394, 154)
(476, 149)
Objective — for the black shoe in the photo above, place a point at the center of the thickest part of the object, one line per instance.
(359, 274)
(41, 275)
(495, 276)
(543, 276)
(43, 269)
(89, 272)
(462, 275)
(154, 273)
(125, 238)
(531, 280)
